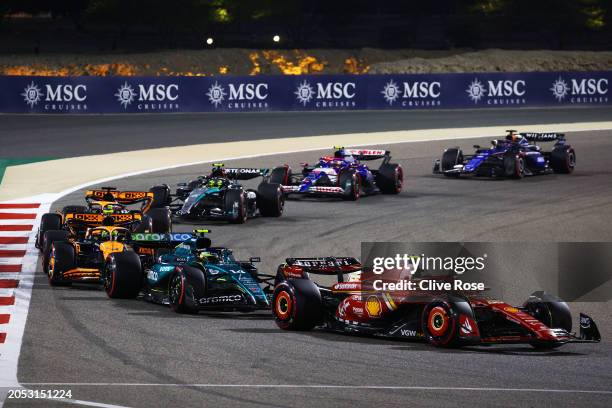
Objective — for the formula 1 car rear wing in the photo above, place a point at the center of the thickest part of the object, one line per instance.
(363, 154)
(159, 239)
(543, 137)
(326, 266)
(93, 220)
(121, 197)
(246, 173)
(170, 239)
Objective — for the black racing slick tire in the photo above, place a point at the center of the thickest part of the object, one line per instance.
(450, 158)
(280, 175)
(236, 203)
(49, 238)
(161, 220)
(48, 222)
(563, 159)
(61, 259)
(440, 324)
(390, 178)
(122, 275)
(297, 305)
(350, 182)
(270, 199)
(550, 310)
(161, 196)
(185, 286)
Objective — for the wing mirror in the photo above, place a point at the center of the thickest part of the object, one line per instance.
(476, 146)
(254, 259)
(182, 184)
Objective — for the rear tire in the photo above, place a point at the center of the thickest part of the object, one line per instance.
(61, 259)
(161, 220)
(48, 222)
(48, 239)
(270, 199)
(161, 196)
(297, 305)
(450, 158)
(233, 196)
(122, 275)
(563, 160)
(349, 181)
(390, 178)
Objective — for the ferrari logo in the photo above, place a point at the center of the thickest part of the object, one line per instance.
(373, 306)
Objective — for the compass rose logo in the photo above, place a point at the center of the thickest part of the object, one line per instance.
(125, 95)
(559, 89)
(390, 92)
(216, 94)
(32, 94)
(476, 90)
(304, 93)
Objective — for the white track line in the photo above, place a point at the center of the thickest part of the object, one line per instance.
(19, 247)
(324, 386)
(23, 221)
(14, 233)
(85, 403)
(11, 261)
(18, 210)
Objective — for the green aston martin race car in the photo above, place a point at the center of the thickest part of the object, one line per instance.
(189, 274)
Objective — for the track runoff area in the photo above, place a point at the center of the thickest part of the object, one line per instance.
(246, 360)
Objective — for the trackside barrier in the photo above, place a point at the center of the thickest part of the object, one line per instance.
(24, 94)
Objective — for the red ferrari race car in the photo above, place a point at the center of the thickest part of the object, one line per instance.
(449, 319)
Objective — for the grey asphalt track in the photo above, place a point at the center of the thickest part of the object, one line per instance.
(77, 335)
(77, 135)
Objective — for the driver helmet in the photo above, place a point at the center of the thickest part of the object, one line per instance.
(108, 209)
(513, 137)
(217, 171)
(209, 257)
(214, 183)
(349, 159)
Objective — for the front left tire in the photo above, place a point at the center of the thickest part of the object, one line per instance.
(122, 275)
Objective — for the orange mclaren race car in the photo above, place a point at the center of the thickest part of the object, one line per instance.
(83, 259)
(106, 207)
